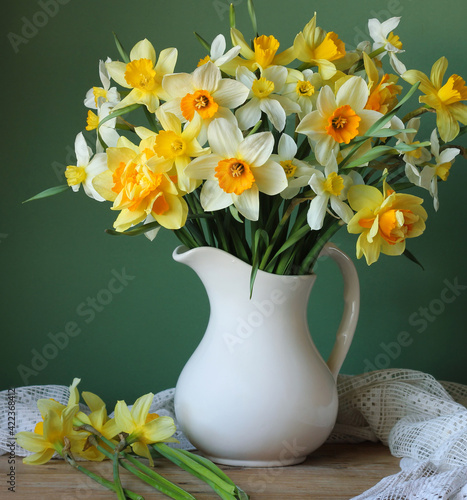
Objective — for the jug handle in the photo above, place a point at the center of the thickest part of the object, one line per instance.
(349, 319)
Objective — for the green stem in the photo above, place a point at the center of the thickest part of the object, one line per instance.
(310, 259)
(145, 473)
(224, 489)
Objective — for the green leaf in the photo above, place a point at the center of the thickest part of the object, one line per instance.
(402, 147)
(291, 240)
(232, 15)
(412, 257)
(121, 50)
(235, 214)
(49, 192)
(369, 155)
(389, 132)
(386, 118)
(251, 12)
(144, 228)
(260, 234)
(203, 42)
(119, 112)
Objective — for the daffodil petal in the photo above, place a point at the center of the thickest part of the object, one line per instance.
(257, 148)
(31, 441)
(317, 211)
(123, 418)
(287, 148)
(117, 71)
(213, 197)
(248, 203)
(203, 167)
(231, 93)
(166, 62)
(270, 178)
(224, 138)
(159, 430)
(364, 197)
(353, 92)
(249, 114)
(39, 458)
(438, 71)
(176, 214)
(143, 50)
(274, 111)
(178, 85)
(207, 77)
(447, 125)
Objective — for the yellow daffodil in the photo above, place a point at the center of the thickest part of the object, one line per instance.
(99, 420)
(142, 427)
(143, 75)
(338, 119)
(264, 53)
(205, 93)
(383, 91)
(384, 220)
(318, 48)
(49, 439)
(138, 187)
(237, 170)
(178, 146)
(384, 38)
(445, 99)
(86, 168)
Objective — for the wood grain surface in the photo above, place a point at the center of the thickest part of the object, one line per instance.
(335, 471)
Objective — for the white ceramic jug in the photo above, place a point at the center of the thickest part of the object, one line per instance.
(256, 392)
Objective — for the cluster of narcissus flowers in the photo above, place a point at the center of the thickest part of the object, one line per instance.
(72, 434)
(313, 126)
(62, 425)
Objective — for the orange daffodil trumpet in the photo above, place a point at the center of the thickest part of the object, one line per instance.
(143, 74)
(237, 170)
(384, 220)
(445, 98)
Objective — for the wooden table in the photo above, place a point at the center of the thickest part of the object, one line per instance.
(335, 471)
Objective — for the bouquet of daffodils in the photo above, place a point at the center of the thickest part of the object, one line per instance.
(93, 436)
(266, 153)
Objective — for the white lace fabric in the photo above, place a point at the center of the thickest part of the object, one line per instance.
(423, 421)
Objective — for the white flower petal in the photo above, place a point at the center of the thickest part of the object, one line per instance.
(317, 212)
(326, 102)
(218, 47)
(230, 93)
(224, 138)
(245, 76)
(342, 209)
(256, 149)
(207, 77)
(249, 114)
(353, 92)
(178, 84)
(277, 75)
(213, 197)
(203, 167)
(270, 178)
(275, 112)
(248, 203)
(287, 148)
(82, 151)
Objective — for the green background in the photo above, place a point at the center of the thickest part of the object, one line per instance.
(55, 254)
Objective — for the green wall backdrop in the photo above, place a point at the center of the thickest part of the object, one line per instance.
(55, 255)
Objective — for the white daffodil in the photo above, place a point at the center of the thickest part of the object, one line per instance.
(303, 88)
(237, 170)
(218, 56)
(298, 172)
(416, 156)
(97, 96)
(143, 75)
(338, 119)
(205, 93)
(86, 168)
(264, 97)
(428, 177)
(383, 36)
(106, 131)
(330, 188)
